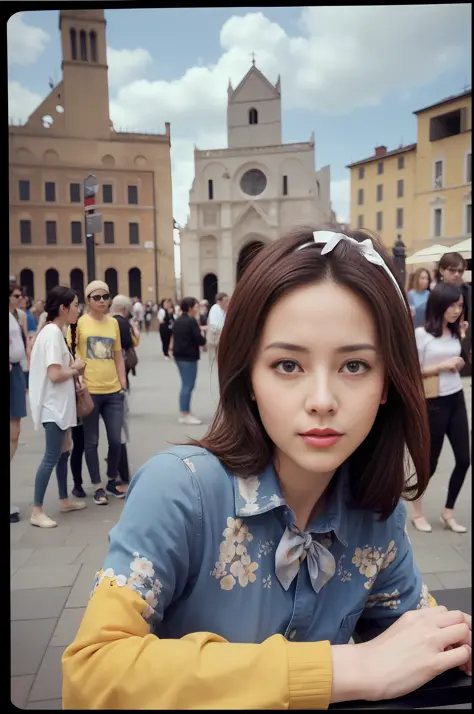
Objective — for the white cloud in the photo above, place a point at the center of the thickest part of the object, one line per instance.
(127, 65)
(21, 102)
(25, 43)
(344, 58)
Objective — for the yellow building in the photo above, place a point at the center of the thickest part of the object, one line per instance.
(66, 138)
(420, 192)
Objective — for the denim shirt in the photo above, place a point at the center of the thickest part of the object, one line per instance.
(199, 544)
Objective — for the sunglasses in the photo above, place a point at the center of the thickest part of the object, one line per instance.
(98, 298)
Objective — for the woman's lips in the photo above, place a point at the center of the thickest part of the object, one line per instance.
(321, 439)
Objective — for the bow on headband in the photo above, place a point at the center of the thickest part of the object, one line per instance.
(330, 240)
(295, 547)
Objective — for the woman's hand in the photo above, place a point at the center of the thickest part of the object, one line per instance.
(79, 390)
(78, 364)
(416, 648)
(463, 327)
(455, 364)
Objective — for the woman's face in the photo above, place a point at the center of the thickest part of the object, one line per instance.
(453, 274)
(72, 312)
(454, 311)
(318, 366)
(423, 281)
(98, 301)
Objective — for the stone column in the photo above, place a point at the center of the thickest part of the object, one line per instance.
(226, 274)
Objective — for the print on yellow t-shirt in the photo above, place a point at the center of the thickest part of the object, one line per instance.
(96, 344)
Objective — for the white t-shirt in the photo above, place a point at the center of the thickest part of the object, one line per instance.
(138, 311)
(17, 348)
(434, 350)
(216, 317)
(49, 401)
(161, 314)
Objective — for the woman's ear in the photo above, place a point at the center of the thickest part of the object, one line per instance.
(384, 393)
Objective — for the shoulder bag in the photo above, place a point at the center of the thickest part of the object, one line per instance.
(84, 401)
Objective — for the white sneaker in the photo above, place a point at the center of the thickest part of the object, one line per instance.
(42, 521)
(73, 506)
(190, 420)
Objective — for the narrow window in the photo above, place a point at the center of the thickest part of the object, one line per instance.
(379, 220)
(360, 221)
(25, 232)
(50, 191)
(438, 222)
(76, 232)
(73, 37)
(399, 217)
(438, 174)
(210, 189)
(380, 167)
(401, 162)
(107, 193)
(133, 234)
(51, 235)
(380, 192)
(93, 43)
(253, 116)
(75, 192)
(285, 185)
(109, 232)
(360, 197)
(133, 195)
(468, 219)
(361, 172)
(24, 190)
(400, 188)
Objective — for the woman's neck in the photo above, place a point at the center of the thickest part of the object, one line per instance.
(98, 316)
(60, 322)
(304, 491)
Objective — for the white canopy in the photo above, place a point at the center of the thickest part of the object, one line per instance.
(428, 255)
(464, 247)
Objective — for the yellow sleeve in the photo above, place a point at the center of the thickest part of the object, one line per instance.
(68, 336)
(115, 663)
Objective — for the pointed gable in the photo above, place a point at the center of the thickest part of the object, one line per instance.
(254, 86)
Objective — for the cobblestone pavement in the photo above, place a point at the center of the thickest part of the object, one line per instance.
(52, 570)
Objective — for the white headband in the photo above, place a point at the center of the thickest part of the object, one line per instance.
(366, 248)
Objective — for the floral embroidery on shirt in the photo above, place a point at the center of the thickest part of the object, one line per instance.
(248, 489)
(140, 580)
(276, 500)
(344, 575)
(267, 582)
(265, 548)
(370, 561)
(424, 598)
(390, 600)
(233, 553)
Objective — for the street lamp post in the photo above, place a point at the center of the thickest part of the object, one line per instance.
(399, 257)
(92, 223)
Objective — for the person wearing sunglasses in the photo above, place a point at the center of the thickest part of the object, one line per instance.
(96, 340)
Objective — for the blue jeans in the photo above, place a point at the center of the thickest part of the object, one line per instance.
(110, 408)
(188, 372)
(53, 456)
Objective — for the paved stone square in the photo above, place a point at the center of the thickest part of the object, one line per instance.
(52, 570)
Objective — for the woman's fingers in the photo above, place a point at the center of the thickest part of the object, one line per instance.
(456, 635)
(455, 657)
(453, 617)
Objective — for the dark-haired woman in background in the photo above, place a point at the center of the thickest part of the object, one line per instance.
(439, 350)
(252, 554)
(53, 400)
(451, 269)
(187, 339)
(418, 295)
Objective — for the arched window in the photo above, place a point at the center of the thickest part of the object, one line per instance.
(210, 286)
(73, 37)
(93, 41)
(111, 278)
(253, 116)
(27, 282)
(134, 283)
(51, 279)
(83, 43)
(77, 283)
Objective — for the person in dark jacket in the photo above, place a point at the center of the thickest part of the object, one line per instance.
(451, 269)
(187, 340)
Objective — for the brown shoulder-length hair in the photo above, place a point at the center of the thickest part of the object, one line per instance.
(379, 468)
(414, 283)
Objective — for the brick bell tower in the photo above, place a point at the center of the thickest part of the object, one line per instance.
(85, 73)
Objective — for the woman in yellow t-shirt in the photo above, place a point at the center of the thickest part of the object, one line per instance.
(96, 340)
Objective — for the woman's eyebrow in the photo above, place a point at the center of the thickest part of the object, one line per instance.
(300, 348)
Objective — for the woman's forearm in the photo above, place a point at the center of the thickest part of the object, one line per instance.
(349, 680)
(62, 374)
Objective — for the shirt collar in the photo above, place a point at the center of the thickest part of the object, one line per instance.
(256, 495)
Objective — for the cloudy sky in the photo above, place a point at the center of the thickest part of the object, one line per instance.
(353, 75)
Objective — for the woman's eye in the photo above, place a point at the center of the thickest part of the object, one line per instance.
(286, 366)
(356, 367)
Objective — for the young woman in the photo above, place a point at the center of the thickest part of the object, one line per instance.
(53, 400)
(418, 296)
(96, 340)
(187, 339)
(241, 564)
(451, 269)
(166, 321)
(439, 349)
